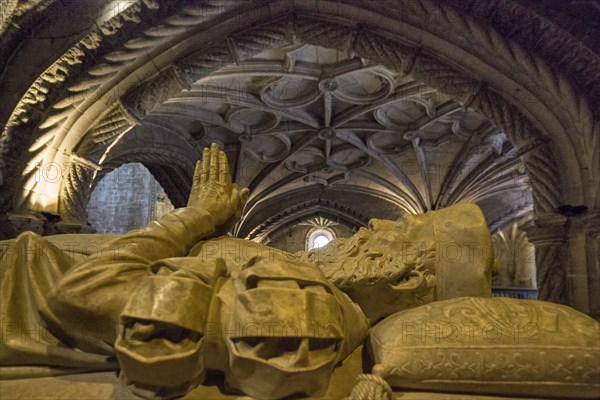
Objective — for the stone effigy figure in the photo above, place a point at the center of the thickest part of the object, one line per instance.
(168, 302)
(168, 317)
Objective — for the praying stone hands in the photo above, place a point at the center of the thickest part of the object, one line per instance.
(213, 191)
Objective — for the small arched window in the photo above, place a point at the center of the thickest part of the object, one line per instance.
(319, 237)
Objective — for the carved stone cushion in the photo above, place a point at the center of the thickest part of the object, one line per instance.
(493, 346)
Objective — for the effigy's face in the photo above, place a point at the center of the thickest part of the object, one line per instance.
(379, 247)
(291, 328)
(383, 262)
(384, 250)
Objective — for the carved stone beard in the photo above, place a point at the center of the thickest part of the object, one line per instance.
(347, 261)
(350, 260)
(379, 279)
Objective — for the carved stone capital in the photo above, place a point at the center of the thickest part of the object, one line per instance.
(549, 235)
(107, 128)
(588, 223)
(556, 228)
(72, 227)
(547, 229)
(15, 224)
(144, 98)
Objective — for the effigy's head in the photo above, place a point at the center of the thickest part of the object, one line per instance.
(394, 265)
(293, 327)
(379, 251)
(380, 268)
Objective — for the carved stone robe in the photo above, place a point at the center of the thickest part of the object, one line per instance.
(164, 306)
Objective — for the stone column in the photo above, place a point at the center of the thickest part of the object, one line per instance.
(584, 245)
(593, 254)
(549, 236)
(568, 259)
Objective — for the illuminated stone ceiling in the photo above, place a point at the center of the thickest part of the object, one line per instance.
(308, 122)
(356, 110)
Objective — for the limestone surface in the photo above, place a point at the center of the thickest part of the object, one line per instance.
(500, 346)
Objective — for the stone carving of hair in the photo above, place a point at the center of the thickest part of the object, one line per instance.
(344, 264)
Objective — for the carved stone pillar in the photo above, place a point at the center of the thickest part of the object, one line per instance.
(74, 197)
(549, 236)
(568, 259)
(584, 246)
(593, 254)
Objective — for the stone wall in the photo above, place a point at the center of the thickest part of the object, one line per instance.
(124, 199)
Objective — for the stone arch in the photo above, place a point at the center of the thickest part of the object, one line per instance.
(171, 166)
(537, 107)
(513, 114)
(300, 212)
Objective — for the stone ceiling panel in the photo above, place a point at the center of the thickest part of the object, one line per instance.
(304, 116)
